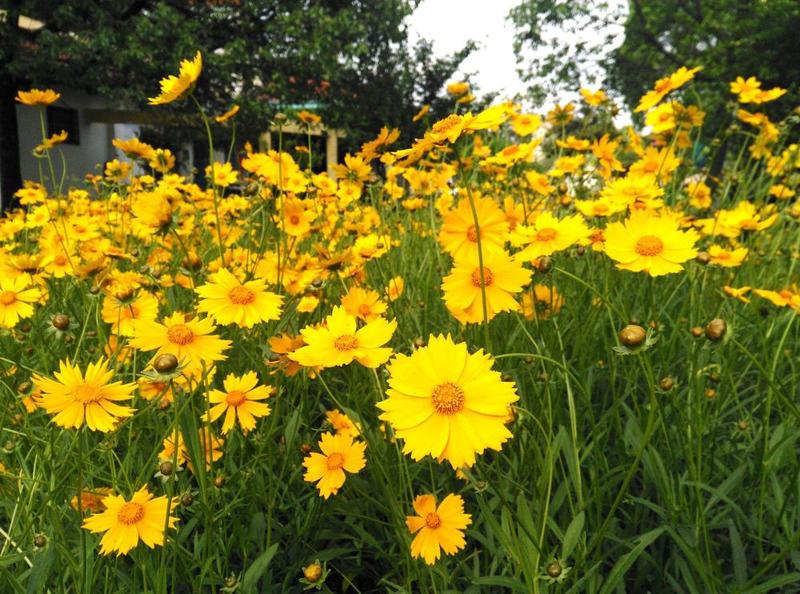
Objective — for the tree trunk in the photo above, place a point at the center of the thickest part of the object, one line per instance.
(10, 177)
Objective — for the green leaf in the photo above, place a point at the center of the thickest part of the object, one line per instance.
(257, 569)
(42, 564)
(628, 559)
(572, 535)
(738, 556)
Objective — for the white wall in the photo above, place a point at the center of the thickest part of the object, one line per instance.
(95, 141)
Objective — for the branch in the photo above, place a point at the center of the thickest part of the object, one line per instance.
(650, 38)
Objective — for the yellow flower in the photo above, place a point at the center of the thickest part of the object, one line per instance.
(394, 288)
(664, 86)
(784, 298)
(365, 305)
(446, 402)
(162, 160)
(222, 118)
(342, 424)
(74, 396)
(308, 117)
(222, 174)
(727, 258)
(296, 218)
(37, 97)
(503, 277)
(122, 313)
(239, 400)
(174, 87)
(525, 124)
(739, 293)
(339, 453)
(339, 343)
(634, 192)
(459, 236)
(548, 235)
(209, 443)
(186, 339)
(437, 528)
(17, 297)
(125, 523)
(541, 302)
(421, 113)
(232, 302)
(458, 88)
(594, 98)
(649, 243)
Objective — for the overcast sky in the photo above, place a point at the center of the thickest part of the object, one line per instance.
(449, 24)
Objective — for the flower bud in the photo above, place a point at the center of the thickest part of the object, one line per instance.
(716, 329)
(61, 321)
(312, 572)
(165, 363)
(632, 335)
(554, 569)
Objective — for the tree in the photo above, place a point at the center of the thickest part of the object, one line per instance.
(729, 38)
(352, 56)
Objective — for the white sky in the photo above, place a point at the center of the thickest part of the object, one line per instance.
(449, 24)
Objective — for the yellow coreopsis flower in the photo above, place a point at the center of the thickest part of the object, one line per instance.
(17, 299)
(123, 311)
(125, 523)
(222, 174)
(75, 397)
(451, 411)
(174, 87)
(230, 301)
(548, 235)
(650, 243)
(727, 258)
(339, 453)
(364, 304)
(437, 528)
(240, 400)
(37, 97)
(192, 340)
(503, 277)
(338, 342)
(459, 235)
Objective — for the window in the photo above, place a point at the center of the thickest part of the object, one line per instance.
(64, 118)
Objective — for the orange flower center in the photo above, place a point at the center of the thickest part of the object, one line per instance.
(180, 334)
(87, 393)
(649, 245)
(546, 234)
(364, 309)
(488, 277)
(294, 220)
(472, 233)
(347, 342)
(235, 397)
(130, 513)
(448, 398)
(335, 461)
(241, 295)
(432, 520)
(8, 297)
(60, 260)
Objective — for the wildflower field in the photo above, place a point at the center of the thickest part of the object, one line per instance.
(514, 355)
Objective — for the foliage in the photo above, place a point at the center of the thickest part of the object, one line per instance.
(653, 444)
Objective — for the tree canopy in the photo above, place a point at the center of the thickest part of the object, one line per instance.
(353, 57)
(729, 38)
